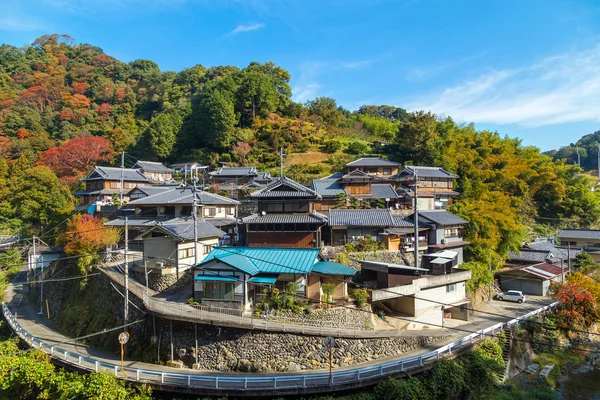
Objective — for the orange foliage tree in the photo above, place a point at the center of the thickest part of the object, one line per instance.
(75, 157)
(85, 236)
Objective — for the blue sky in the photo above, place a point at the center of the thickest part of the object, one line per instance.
(528, 69)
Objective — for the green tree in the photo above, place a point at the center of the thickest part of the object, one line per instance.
(584, 261)
(217, 118)
(257, 96)
(163, 131)
(325, 108)
(446, 380)
(416, 138)
(402, 389)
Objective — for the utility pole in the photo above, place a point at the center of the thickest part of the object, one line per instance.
(126, 270)
(281, 162)
(562, 270)
(416, 222)
(569, 255)
(578, 157)
(121, 184)
(195, 217)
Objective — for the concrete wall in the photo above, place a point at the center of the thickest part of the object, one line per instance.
(156, 249)
(420, 285)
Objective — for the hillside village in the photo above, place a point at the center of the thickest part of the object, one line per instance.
(232, 238)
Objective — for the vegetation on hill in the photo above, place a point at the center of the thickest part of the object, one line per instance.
(66, 106)
(588, 152)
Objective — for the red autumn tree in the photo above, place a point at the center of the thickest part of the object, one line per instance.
(75, 157)
(240, 150)
(577, 306)
(79, 101)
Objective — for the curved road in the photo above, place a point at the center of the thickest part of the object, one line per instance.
(86, 358)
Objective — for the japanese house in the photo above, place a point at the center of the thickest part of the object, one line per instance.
(286, 217)
(236, 277)
(104, 182)
(533, 279)
(239, 176)
(413, 292)
(348, 225)
(446, 239)
(374, 166)
(587, 240)
(435, 186)
(168, 246)
(354, 186)
(155, 171)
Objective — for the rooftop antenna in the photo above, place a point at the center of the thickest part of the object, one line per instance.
(281, 162)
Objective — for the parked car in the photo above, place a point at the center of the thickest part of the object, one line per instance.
(512, 295)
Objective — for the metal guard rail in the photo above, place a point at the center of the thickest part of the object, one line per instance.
(235, 382)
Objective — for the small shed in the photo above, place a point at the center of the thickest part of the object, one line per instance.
(532, 279)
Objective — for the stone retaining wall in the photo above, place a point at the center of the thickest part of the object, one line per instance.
(342, 318)
(233, 350)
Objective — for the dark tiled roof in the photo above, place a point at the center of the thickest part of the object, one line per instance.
(183, 196)
(442, 217)
(327, 187)
(543, 270)
(335, 175)
(591, 234)
(383, 191)
(372, 162)
(235, 171)
(114, 174)
(530, 256)
(150, 190)
(425, 172)
(299, 218)
(357, 175)
(285, 187)
(152, 166)
(183, 229)
(370, 217)
(218, 222)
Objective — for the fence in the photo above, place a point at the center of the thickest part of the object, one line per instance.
(239, 383)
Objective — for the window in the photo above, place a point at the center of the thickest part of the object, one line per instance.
(210, 212)
(230, 210)
(207, 248)
(387, 171)
(371, 170)
(218, 290)
(451, 232)
(219, 210)
(451, 288)
(186, 253)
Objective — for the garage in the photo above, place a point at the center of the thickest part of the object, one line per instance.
(532, 279)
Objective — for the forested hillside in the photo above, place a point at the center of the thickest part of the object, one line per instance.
(66, 106)
(588, 147)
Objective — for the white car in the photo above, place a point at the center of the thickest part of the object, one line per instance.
(512, 295)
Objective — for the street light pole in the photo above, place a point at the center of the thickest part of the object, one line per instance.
(126, 272)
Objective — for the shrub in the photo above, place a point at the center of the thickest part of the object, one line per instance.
(331, 146)
(360, 297)
(357, 148)
(446, 380)
(328, 289)
(402, 389)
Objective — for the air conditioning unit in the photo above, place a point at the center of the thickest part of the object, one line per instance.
(160, 264)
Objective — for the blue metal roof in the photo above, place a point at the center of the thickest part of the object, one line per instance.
(254, 260)
(269, 280)
(333, 268)
(219, 278)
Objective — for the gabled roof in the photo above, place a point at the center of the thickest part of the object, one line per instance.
(114, 174)
(543, 270)
(150, 190)
(368, 217)
(152, 166)
(372, 162)
(182, 229)
(357, 174)
(335, 176)
(591, 234)
(328, 187)
(442, 217)
(263, 176)
(333, 268)
(298, 218)
(378, 191)
(425, 172)
(534, 256)
(235, 171)
(285, 187)
(255, 260)
(184, 196)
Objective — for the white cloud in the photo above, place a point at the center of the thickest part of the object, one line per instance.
(307, 86)
(18, 24)
(559, 89)
(246, 28)
(357, 64)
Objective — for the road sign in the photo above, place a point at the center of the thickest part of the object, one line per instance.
(329, 342)
(123, 337)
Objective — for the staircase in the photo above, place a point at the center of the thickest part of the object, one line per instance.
(506, 354)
